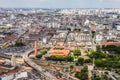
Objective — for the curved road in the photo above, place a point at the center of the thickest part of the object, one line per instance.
(47, 75)
(37, 67)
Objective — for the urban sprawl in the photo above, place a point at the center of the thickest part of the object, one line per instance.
(59, 44)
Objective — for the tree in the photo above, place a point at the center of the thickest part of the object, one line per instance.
(98, 49)
(80, 61)
(100, 63)
(88, 61)
(42, 52)
(93, 34)
(104, 77)
(111, 49)
(83, 75)
(39, 56)
(91, 50)
(78, 75)
(69, 29)
(76, 52)
(97, 78)
(18, 44)
(97, 55)
(60, 58)
(71, 67)
(69, 58)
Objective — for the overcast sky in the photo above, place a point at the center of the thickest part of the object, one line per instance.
(60, 3)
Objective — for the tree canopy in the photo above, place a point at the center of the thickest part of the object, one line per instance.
(76, 52)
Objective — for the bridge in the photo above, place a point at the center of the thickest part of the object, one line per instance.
(41, 70)
(47, 75)
(37, 67)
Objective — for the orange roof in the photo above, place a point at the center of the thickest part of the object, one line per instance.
(112, 43)
(9, 71)
(1, 61)
(77, 70)
(59, 52)
(62, 79)
(92, 28)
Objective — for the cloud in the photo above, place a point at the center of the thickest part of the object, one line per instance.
(60, 3)
(100, 0)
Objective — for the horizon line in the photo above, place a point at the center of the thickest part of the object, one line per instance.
(52, 8)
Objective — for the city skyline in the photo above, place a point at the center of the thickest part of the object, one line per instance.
(59, 40)
(59, 3)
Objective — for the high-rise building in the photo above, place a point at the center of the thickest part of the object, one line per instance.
(113, 25)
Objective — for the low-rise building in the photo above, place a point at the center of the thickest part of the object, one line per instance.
(59, 51)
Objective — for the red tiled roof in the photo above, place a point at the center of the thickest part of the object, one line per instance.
(112, 43)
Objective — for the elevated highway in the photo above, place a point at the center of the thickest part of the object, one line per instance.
(37, 67)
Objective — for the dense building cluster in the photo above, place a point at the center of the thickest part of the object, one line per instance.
(71, 36)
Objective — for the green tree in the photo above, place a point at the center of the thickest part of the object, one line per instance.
(97, 55)
(76, 52)
(88, 61)
(93, 34)
(60, 58)
(69, 58)
(83, 75)
(71, 67)
(80, 61)
(42, 52)
(78, 75)
(98, 49)
(18, 44)
(69, 29)
(111, 49)
(97, 78)
(39, 56)
(100, 63)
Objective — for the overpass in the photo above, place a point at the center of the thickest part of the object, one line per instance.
(47, 75)
(37, 67)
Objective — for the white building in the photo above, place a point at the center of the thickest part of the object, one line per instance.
(118, 27)
(98, 38)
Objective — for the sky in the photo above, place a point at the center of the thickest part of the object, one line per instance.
(60, 3)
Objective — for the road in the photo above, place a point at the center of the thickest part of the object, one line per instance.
(47, 75)
(37, 67)
(90, 68)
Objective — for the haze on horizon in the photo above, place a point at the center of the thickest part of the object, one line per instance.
(59, 3)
